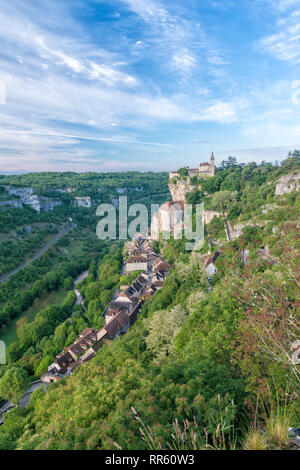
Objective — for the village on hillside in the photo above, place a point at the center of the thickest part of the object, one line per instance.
(121, 313)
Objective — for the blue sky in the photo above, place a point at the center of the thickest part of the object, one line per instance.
(98, 85)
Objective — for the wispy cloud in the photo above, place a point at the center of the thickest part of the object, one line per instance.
(284, 44)
(98, 81)
(179, 39)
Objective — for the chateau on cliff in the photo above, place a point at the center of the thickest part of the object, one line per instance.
(204, 170)
(179, 185)
(171, 214)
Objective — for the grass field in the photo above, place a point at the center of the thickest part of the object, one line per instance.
(55, 297)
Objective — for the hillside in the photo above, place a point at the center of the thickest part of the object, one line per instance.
(211, 361)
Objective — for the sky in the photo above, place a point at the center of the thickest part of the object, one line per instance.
(114, 85)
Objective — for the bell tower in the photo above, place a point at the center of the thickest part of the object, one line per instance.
(212, 164)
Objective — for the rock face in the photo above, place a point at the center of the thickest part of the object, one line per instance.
(209, 215)
(237, 230)
(115, 202)
(180, 186)
(287, 184)
(13, 203)
(83, 201)
(269, 207)
(179, 189)
(121, 190)
(27, 197)
(23, 193)
(46, 203)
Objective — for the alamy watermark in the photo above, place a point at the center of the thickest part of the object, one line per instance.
(2, 93)
(171, 219)
(2, 353)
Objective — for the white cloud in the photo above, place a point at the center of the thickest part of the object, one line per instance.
(283, 5)
(295, 98)
(220, 112)
(177, 38)
(183, 61)
(284, 44)
(109, 75)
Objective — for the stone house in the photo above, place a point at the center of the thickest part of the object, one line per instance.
(118, 325)
(123, 301)
(137, 263)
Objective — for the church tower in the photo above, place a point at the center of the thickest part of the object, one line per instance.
(212, 164)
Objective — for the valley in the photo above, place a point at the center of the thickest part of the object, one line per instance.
(146, 333)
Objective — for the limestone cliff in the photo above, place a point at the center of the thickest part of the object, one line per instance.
(84, 201)
(28, 197)
(287, 184)
(16, 203)
(179, 189)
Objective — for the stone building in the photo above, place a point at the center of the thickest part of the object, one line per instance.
(180, 186)
(137, 263)
(168, 219)
(205, 169)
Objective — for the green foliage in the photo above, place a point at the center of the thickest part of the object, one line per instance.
(223, 200)
(162, 329)
(183, 172)
(13, 383)
(198, 357)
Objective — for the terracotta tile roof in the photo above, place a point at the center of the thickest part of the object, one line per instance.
(64, 359)
(158, 284)
(87, 331)
(137, 259)
(116, 323)
(123, 296)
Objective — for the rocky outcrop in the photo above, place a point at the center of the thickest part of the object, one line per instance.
(269, 207)
(46, 203)
(23, 193)
(115, 202)
(27, 197)
(209, 215)
(180, 189)
(237, 229)
(16, 203)
(287, 183)
(84, 201)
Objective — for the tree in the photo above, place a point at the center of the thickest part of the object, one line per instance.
(292, 161)
(223, 199)
(229, 163)
(195, 197)
(163, 327)
(13, 383)
(68, 283)
(43, 365)
(183, 172)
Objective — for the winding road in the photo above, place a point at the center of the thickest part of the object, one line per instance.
(63, 232)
